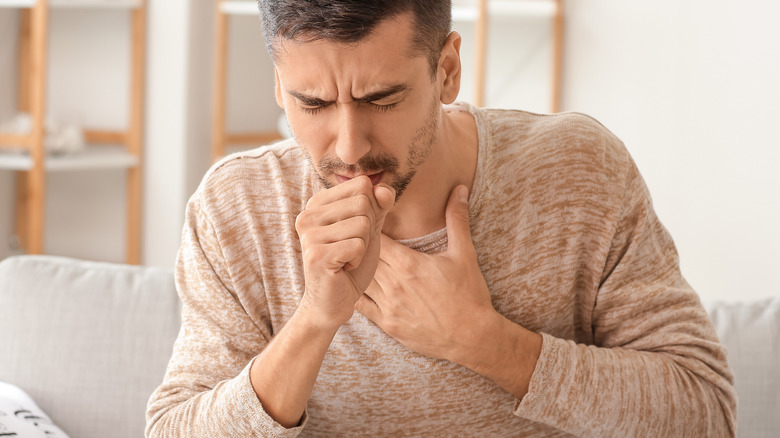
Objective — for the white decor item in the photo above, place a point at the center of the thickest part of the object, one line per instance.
(61, 136)
(20, 417)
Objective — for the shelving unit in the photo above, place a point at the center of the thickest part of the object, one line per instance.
(220, 137)
(106, 150)
(478, 11)
(482, 11)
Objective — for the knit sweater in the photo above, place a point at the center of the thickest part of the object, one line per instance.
(570, 247)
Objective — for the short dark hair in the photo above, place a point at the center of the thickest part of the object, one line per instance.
(349, 21)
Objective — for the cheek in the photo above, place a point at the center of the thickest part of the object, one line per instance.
(309, 131)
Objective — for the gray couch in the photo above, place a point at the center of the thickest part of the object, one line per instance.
(89, 343)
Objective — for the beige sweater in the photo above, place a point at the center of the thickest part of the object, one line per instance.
(570, 247)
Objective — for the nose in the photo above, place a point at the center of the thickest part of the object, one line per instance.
(352, 142)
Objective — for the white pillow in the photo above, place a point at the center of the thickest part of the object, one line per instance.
(20, 417)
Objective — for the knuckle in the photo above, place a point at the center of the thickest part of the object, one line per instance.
(302, 221)
(357, 246)
(363, 224)
(362, 203)
(312, 254)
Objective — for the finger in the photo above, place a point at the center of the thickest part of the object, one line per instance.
(340, 210)
(458, 221)
(394, 253)
(369, 308)
(385, 197)
(376, 290)
(355, 186)
(344, 254)
(354, 227)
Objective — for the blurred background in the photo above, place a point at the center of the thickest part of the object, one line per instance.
(691, 87)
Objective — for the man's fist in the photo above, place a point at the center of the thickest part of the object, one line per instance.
(340, 232)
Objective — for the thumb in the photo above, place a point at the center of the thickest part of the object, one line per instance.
(458, 222)
(385, 198)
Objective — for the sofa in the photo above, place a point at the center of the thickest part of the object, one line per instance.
(89, 342)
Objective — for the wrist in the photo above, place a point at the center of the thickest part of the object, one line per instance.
(313, 319)
(500, 350)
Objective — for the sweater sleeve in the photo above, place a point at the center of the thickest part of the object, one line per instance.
(206, 391)
(656, 367)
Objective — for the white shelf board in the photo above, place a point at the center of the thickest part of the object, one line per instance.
(16, 3)
(92, 158)
(239, 7)
(467, 10)
(102, 4)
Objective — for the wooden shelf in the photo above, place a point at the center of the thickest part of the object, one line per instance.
(26, 154)
(93, 4)
(94, 157)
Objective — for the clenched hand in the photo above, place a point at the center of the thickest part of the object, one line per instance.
(340, 233)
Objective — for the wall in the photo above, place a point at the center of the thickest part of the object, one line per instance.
(691, 88)
(167, 124)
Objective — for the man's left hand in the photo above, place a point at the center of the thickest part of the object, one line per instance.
(433, 304)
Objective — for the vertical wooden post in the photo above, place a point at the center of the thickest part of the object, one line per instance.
(36, 177)
(557, 62)
(220, 83)
(135, 134)
(480, 60)
(24, 104)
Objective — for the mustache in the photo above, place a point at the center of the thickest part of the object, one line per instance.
(329, 164)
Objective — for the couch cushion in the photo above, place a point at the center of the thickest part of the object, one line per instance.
(751, 333)
(88, 341)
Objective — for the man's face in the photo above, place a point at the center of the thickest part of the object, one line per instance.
(370, 108)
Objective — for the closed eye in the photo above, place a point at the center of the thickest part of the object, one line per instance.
(382, 108)
(314, 109)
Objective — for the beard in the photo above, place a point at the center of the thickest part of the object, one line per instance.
(420, 147)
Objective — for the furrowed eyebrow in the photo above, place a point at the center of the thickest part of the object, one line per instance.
(308, 100)
(382, 94)
(370, 97)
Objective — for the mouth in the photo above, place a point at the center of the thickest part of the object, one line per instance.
(375, 178)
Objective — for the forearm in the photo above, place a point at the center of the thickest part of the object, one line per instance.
(595, 391)
(501, 351)
(283, 375)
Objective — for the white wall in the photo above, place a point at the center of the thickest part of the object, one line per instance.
(166, 129)
(692, 89)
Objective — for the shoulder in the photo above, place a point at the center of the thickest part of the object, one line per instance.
(571, 144)
(558, 135)
(278, 173)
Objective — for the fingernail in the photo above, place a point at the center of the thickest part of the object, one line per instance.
(463, 194)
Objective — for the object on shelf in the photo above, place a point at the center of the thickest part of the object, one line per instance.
(61, 136)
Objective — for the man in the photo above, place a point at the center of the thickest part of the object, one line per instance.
(405, 266)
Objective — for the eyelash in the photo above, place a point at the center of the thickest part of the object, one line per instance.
(381, 108)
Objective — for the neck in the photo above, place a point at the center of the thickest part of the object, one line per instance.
(453, 161)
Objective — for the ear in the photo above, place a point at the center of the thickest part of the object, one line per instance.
(449, 67)
(278, 89)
